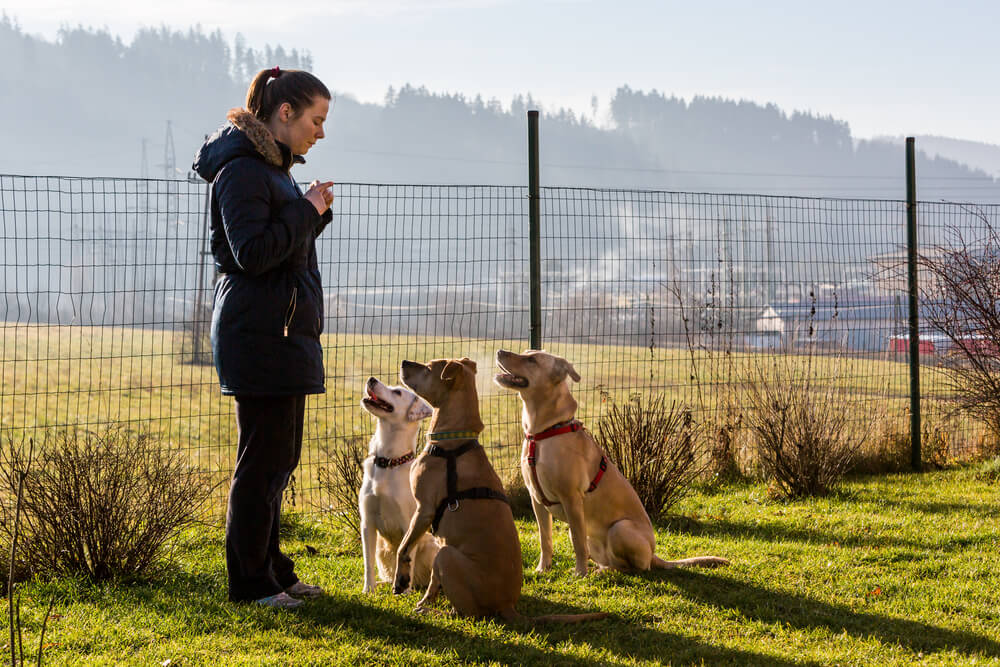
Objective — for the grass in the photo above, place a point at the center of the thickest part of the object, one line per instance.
(891, 570)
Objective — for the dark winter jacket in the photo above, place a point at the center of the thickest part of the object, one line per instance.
(268, 300)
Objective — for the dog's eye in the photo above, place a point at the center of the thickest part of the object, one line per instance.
(397, 392)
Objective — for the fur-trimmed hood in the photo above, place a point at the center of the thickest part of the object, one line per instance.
(244, 136)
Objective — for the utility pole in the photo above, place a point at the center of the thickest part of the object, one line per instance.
(169, 159)
(144, 165)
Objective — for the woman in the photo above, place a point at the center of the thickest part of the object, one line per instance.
(268, 312)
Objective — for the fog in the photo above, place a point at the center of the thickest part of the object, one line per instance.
(91, 104)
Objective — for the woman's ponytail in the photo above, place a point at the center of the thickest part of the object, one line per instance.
(273, 87)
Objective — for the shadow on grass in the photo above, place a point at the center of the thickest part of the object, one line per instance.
(976, 509)
(615, 635)
(905, 549)
(200, 597)
(779, 532)
(768, 606)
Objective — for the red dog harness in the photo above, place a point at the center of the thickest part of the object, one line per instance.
(571, 426)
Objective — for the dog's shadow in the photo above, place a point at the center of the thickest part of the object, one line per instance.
(615, 635)
(801, 612)
(771, 533)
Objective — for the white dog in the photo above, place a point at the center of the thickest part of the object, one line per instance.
(386, 501)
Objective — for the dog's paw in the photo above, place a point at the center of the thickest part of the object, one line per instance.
(597, 570)
(401, 585)
(543, 566)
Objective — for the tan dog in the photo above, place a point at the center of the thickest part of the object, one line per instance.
(479, 567)
(572, 480)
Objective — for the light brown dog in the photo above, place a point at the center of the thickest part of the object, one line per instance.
(479, 566)
(571, 479)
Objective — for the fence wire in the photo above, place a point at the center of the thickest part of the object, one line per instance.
(107, 298)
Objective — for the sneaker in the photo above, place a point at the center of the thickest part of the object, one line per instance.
(304, 590)
(280, 601)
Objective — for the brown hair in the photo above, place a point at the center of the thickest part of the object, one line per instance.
(273, 87)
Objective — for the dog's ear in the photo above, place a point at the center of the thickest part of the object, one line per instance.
(470, 363)
(419, 410)
(451, 370)
(572, 372)
(564, 368)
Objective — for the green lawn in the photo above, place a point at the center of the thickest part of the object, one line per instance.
(894, 570)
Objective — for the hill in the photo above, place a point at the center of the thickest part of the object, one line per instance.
(98, 106)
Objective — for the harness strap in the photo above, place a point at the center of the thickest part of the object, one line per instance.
(383, 462)
(571, 426)
(454, 495)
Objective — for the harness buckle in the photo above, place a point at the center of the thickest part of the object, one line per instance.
(453, 506)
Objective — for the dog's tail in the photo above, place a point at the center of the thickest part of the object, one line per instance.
(514, 615)
(697, 561)
(569, 618)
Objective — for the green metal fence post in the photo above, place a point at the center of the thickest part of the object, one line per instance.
(534, 235)
(911, 262)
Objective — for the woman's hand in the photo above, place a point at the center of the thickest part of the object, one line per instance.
(320, 195)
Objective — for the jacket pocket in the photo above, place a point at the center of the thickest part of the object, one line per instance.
(290, 311)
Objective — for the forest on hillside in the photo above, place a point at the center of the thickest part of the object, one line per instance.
(90, 104)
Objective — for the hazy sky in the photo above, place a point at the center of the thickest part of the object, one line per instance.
(914, 67)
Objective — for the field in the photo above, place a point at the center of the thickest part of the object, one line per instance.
(891, 570)
(54, 376)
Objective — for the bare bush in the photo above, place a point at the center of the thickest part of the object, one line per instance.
(100, 504)
(340, 480)
(959, 287)
(655, 447)
(807, 434)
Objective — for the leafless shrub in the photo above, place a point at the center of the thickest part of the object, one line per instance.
(16, 642)
(655, 447)
(340, 481)
(100, 504)
(806, 431)
(959, 288)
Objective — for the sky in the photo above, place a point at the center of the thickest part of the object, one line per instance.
(888, 68)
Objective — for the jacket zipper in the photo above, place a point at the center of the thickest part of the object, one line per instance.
(291, 309)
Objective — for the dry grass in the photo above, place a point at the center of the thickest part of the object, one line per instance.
(58, 376)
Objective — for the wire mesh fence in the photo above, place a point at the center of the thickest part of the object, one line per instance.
(107, 297)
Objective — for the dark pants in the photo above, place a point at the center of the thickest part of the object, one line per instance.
(270, 441)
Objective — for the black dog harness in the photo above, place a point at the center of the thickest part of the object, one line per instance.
(454, 495)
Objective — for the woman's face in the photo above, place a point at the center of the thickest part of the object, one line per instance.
(300, 132)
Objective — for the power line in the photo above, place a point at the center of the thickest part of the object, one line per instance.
(658, 170)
